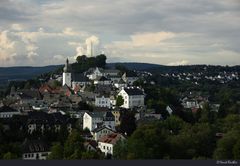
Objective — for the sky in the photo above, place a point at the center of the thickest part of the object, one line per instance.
(167, 32)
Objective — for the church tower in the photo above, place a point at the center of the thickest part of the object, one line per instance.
(67, 76)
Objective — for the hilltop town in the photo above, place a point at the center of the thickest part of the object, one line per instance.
(87, 111)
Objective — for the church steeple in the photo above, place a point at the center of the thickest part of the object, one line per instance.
(67, 69)
(67, 75)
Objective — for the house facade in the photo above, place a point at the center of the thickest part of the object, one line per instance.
(93, 120)
(107, 143)
(101, 131)
(133, 97)
(35, 150)
(102, 101)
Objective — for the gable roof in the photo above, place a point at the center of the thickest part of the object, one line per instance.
(29, 94)
(102, 78)
(79, 77)
(101, 128)
(96, 114)
(108, 116)
(92, 143)
(32, 146)
(111, 138)
(133, 91)
(7, 109)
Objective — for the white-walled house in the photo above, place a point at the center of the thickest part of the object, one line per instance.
(120, 84)
(101, 131)
(133, 97)
(35, 150)
(93, 120)
(109, 120)
(102, 80)
(102, 101)
(129, 78)
(97, 72)
(107, 142)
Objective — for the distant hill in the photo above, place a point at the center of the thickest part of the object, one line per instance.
(155, 68)
(23, 73)
(135, 66)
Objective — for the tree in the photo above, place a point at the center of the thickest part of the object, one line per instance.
(9, 156)
(119, 101)
(73, 146)
(91, 155)
(227, 147)
(120, 150)
(128, 124)
(229, 122)
(207, 115)
(147, 142)
(81, 59)
(236, 151)
(56, 152)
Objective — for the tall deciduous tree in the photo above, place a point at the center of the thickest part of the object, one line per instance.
(128, 122)
(119, 101)
(56, 152)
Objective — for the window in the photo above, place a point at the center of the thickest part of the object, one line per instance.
(103, 147)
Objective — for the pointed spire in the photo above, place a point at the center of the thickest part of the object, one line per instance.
(67, 67)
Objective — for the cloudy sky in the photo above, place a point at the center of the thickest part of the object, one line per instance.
(168, 32)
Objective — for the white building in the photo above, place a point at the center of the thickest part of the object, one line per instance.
(72, 79)
(107, 143)
(97, 72)
(67, 75)
(102, 80)
(101, 131)
(102, 101)
(93, 120)
(35, 150)
(94, 73)
(129, 78)
(133, 97)
(120, 84)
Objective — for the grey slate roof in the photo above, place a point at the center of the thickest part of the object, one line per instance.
(108, 116)
(96, 114)
(102, 78)
(101, 128)
(32, 146)
(133, 91)
(7, 109)
(79, 77)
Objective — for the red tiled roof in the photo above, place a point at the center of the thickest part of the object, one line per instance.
(111, 138)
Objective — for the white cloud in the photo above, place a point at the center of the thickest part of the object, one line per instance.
(178, 63)
(150, 39)
(16, 27)
(58, 57)
(69, 31)
(7, 49)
